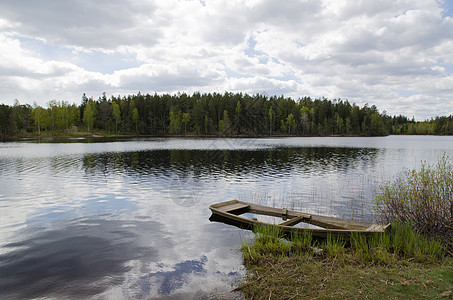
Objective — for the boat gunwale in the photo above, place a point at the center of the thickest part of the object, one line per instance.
(317, 220)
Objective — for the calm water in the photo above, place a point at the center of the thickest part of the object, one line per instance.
(129, 218)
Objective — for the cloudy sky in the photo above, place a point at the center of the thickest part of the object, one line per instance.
(396, 54)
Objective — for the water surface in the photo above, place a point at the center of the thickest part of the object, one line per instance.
(129, 218)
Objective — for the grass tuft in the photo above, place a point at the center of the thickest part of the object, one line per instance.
(402, 243)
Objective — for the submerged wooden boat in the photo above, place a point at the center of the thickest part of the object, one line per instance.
(230, 212)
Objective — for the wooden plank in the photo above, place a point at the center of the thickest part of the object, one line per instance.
(335, 223)
(271, 211)
(377, 228)
(233, 206)
(221, 204)
(293, 221)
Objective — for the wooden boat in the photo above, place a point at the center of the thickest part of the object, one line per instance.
(230, 212)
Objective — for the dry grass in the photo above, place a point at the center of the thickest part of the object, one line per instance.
(304, 278)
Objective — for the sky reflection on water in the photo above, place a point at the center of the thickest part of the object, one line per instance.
(130, 218)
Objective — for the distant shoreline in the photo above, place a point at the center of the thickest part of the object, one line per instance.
(100, 135)
(107, 135)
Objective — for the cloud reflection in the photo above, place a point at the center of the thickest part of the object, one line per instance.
(79, 260)
(171, 281)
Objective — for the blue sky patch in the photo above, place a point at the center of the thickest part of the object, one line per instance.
(94, 60)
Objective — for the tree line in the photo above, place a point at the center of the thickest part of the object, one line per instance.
(227, 114)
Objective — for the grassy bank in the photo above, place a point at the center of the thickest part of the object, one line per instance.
(401, 264)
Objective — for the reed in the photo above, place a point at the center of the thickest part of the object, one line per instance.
(401, 244)
(268, 241)
(422, 198)
(407, 243)
(334, 247)
(302, 243)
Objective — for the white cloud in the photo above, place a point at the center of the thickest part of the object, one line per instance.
(164, 77)
(86, 24)
(263, 85)
(366, 51)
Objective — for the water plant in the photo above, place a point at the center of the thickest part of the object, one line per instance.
(334, 247)
(423, 198)
(268, 240)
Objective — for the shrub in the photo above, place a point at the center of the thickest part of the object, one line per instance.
(423, 198)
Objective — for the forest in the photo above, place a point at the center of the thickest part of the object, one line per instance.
(227, 114)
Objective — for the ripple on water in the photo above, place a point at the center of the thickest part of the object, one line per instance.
(130, 219)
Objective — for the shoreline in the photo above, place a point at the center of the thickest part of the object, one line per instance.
(189, 135)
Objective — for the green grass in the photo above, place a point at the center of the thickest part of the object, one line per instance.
(400, 264)
(401, 243)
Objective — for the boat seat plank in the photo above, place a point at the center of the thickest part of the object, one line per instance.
(293, 221)
(233, 207)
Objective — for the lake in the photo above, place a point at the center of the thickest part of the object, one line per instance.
(129, 218)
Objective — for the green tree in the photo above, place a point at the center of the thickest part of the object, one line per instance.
(135, 118)
(36, 115)
(238, 116)
(5, 117)
(325, 127)
(221, 126)
(125, 119)
(17, 116)
(105, 113)
(59, 115)
(355, 119)
(65, 114)
(340, 125)
(364, 128)
(226, 123)
(377, 125)
(283, 127)
(197, 115)
(74, 116)
(131, 111)
(291, 124)
(185, 120)
(224, 114)
(46, 120)
(53, 106)
(89, 114)
(271, 120)
(305, 116)
(207, 125)
(175, 122)
(116, 115)
(348, 125)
